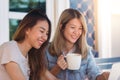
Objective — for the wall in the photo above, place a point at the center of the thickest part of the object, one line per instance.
(108, 19)
(115, 35)
(4, 29)
(115, 28)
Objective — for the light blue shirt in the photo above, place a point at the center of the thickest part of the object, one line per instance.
(87, 69)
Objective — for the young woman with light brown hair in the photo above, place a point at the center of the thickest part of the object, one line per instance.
(70, 37)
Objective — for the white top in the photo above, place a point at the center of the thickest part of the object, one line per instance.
(9, 51)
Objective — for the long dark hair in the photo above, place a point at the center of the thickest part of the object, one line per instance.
(36, 57)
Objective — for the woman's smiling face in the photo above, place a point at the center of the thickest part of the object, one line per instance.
(37, 35)
(73, 31)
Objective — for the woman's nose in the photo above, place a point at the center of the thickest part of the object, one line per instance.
(76, 31)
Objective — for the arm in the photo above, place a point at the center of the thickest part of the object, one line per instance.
(48, 76)
(103, 76)
(14, 71)
(55, 70)
(61, 64)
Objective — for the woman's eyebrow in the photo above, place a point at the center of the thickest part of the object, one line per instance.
(42, 28)
(76, 25)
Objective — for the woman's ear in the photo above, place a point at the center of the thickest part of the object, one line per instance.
(27, 31)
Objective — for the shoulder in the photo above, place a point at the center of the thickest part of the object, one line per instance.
(9, 52)
(8, 45)
(89, 54)
(49, 56)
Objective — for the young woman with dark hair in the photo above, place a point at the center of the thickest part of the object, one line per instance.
(23, 57)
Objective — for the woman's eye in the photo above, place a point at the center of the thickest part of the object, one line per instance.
(72, 27)
(41, 31)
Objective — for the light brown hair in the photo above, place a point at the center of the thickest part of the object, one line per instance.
(58, 43)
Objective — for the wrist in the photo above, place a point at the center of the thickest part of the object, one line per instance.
(55, 70)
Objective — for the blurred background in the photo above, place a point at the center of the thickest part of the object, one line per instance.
(102, 17)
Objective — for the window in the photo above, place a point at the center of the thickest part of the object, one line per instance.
(12, 11)
(26, 5)
(18, 8)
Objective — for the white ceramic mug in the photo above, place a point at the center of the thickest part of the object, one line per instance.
(73, 61)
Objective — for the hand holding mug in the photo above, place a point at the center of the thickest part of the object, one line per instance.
(61, 62)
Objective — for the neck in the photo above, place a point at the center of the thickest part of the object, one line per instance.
(24, 47)
(69, 47)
